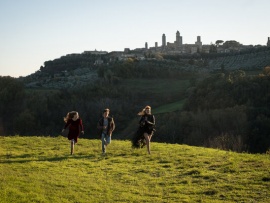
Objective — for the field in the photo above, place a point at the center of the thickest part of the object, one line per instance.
(40, 169)
(170, 90)
(175, 106)
(157, 86)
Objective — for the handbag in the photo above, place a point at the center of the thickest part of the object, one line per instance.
(65, 132)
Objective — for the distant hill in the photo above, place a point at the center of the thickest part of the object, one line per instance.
(244, 61)
(75, 70)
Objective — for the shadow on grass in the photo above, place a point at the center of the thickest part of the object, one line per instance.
(39, 157)
(25, 158)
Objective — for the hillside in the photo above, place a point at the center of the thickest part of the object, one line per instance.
(40, 169)
(243, 61)
(76, 70)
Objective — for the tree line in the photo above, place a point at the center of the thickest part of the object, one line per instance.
(228, 110)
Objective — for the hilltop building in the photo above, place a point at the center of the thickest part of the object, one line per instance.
(179, 40)
(146, 45)
(95, 52)
(199, 43)
(178, 47)
(163, 41)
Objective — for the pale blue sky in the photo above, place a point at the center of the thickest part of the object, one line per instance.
(35, 31)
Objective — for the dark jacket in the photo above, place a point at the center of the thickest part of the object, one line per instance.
(110, 126)
(147, 123)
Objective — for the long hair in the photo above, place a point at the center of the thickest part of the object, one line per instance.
(70, 115)
(142, 112)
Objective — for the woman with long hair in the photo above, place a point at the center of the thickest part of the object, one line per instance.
(147, 124)
(74, 123)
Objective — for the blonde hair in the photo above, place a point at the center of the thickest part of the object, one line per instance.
(141, 113)
(70, 115)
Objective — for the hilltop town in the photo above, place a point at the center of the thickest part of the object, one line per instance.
(82, 68)
(179, 48)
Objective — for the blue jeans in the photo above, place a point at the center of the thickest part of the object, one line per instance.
(106, 139)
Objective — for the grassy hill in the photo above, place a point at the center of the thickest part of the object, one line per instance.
(244, 61)
(167, 94)
(175, 106)
(40, 169)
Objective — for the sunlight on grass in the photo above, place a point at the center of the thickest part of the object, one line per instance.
(157, 86)
(40, 169)
(175, 106)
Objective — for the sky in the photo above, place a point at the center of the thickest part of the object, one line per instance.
(35, 31)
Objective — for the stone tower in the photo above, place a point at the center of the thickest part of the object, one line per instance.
(146, 45)
(163, 40)
(199, 43)
(179, 39)
(268, 42)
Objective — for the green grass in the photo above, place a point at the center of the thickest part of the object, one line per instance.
(175, 106)
(40, 169)
(157, 86)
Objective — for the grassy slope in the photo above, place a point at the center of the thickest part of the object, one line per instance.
(168, 90)
(169, 93)
(175, 106)
(157, 86)
(40, 169)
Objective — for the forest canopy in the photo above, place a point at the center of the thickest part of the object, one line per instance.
(228, 110)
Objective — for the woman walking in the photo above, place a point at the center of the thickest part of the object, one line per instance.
(147, 124)
(74, 123)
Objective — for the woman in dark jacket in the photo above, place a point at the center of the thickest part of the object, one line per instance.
(74, 123)
(147, 124)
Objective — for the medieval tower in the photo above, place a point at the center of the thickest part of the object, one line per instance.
(199, 43)
(163, 40)
(179, 40)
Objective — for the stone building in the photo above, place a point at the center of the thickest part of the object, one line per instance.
(178, 47)
(163, 40)
(199, 43)
(179, 40)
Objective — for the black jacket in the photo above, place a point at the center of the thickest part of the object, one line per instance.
(147, 123)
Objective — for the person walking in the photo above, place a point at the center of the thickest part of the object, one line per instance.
(75, 126)
(105, 127)
(147, 124)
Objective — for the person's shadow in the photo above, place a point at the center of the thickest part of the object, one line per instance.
(25, 158)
